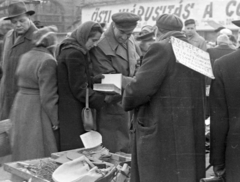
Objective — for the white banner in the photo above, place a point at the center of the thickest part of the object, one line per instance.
(192, 57)
(221, 11)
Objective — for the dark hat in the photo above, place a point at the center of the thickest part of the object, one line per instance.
(219, 29)
(125, 21)
(16, 9)
(146, 37)
(189, 22)
(236, 22)
(146, 34)
(169, 22)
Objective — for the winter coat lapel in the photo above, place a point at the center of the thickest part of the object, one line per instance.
(122, 52)
(8, 43)
(132, 56)
(28, 36)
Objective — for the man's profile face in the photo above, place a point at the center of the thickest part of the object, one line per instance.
(21, 23)
(122, 36)
(190, 29)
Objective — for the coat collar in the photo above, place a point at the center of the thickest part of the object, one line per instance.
(42, 49)
(223, 47)
(116, 46)
(28, 35)
(109, 34)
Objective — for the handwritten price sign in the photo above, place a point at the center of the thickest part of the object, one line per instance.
(192, 57)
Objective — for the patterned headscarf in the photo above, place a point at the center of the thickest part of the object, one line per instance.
(79, 37)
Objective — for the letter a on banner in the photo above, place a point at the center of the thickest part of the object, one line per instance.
(192, 57)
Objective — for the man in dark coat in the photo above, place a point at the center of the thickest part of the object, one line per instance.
(168, 102)
(17, 42)
(222, 48)
(225, 117)
(116, 52)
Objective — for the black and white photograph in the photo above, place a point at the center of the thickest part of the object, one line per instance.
(119, 90)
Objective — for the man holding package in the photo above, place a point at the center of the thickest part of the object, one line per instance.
(168, 102)
(116, 52)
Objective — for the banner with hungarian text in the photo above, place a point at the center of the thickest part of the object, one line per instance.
(221, 12)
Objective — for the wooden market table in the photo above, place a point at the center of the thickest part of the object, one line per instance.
(20, 174)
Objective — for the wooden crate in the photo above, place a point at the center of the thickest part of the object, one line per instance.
(19, 174)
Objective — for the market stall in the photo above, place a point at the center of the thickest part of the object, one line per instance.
(91, 164)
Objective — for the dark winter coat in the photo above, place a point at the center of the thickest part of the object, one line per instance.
(225, 115)
(11, 54)
(217, 52)
(73, 65)
(168, 126)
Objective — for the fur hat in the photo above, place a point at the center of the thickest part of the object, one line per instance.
(45, 36)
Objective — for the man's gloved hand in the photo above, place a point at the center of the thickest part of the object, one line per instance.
(111, 99)
(98, 78)
(219, 170)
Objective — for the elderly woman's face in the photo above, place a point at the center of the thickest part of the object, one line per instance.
(21, 23)
(92, 41)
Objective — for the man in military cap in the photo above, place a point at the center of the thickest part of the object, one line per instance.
(193, 37)
(168, 125)
(17, 42)
(116, 52)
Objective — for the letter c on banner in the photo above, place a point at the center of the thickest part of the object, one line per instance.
(228, 12)
(238, 10)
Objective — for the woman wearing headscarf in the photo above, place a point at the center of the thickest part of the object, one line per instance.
(34, 113)
(74, 76)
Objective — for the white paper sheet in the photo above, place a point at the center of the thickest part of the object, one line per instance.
(91, 139)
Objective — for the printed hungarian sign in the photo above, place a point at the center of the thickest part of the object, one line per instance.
(192, 57)
(221, 11)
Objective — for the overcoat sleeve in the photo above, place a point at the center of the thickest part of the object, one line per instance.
(219, 118)
(48, 89)
(103, 64)
(77, 78)
(148, 78)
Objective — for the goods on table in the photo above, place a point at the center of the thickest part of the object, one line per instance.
(111, 165)
(80, 169)
(43, 169)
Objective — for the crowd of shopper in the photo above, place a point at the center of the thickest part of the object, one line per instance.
(159, 118)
